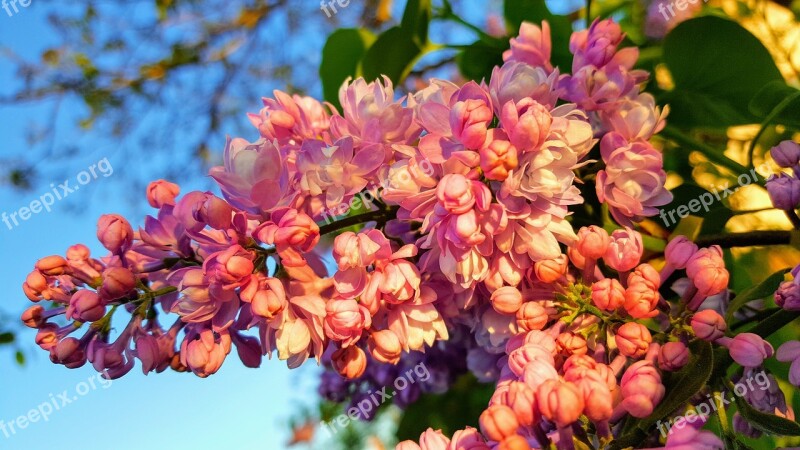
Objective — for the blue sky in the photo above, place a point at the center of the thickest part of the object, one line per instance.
(237, 408)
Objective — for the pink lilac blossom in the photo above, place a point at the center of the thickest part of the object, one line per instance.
(470, 260)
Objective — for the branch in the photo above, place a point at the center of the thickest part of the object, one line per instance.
(748, 239)
(381, 215)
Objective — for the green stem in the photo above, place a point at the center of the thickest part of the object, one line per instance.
(768, 120)
(713, 155)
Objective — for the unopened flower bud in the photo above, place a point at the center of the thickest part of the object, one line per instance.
(117, 282)
(679, 251)
(115, 233)
(784, 191)
(350, 362)
(531, 316)
(749, 350)
(708, 325)
(86, 306)
(633, 339)
(673, 356)
(786, 154)
(506, 300)
(384, 346)
(593, 242)
(608, 294)
(52, 265)
(551, 270)
(33, 317)
(162, 192)
(559, 402)
(498, 422)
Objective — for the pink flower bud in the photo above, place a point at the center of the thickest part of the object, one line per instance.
(52, 266)
(78, 252)
(289, 228)
(521, 357)
(593, 242)
(515, 442)
(432, 439)
(708, 325)
(204, 352)
(521, 399)
(345, 320)
(787, 296)
(35, 283)
(469, 121)
(749, 350)
(69, 353)
(633, 339)
(86, 306)
(641, 389)
(641, 297)
(47, 337)
(506, 300)
(679, 251)
(455, 193)
(349, 362)
(786, 154)
(33, 317)
(673, 356)
(498, 158)
(707, 271)
(147, 350)
(571, 344)
(625, 250)
(597, 398)
(467, 439)
(608, 294)
(266, 296)
(531, 316)
(551, 270)
(115, 233)
(117, 282)
(385, 346)
(498, 422)
(162, 192)
(559, 402)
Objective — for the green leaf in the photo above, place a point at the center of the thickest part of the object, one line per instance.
(416, 18)
(763, 289)
(340, 58)
(6, 338)
(768, 423)
(20, 357)
(535, 11)
(718, 67)
(457, 408)
(477, 60)
(393, 54)
(715, 220)
(770, 97)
